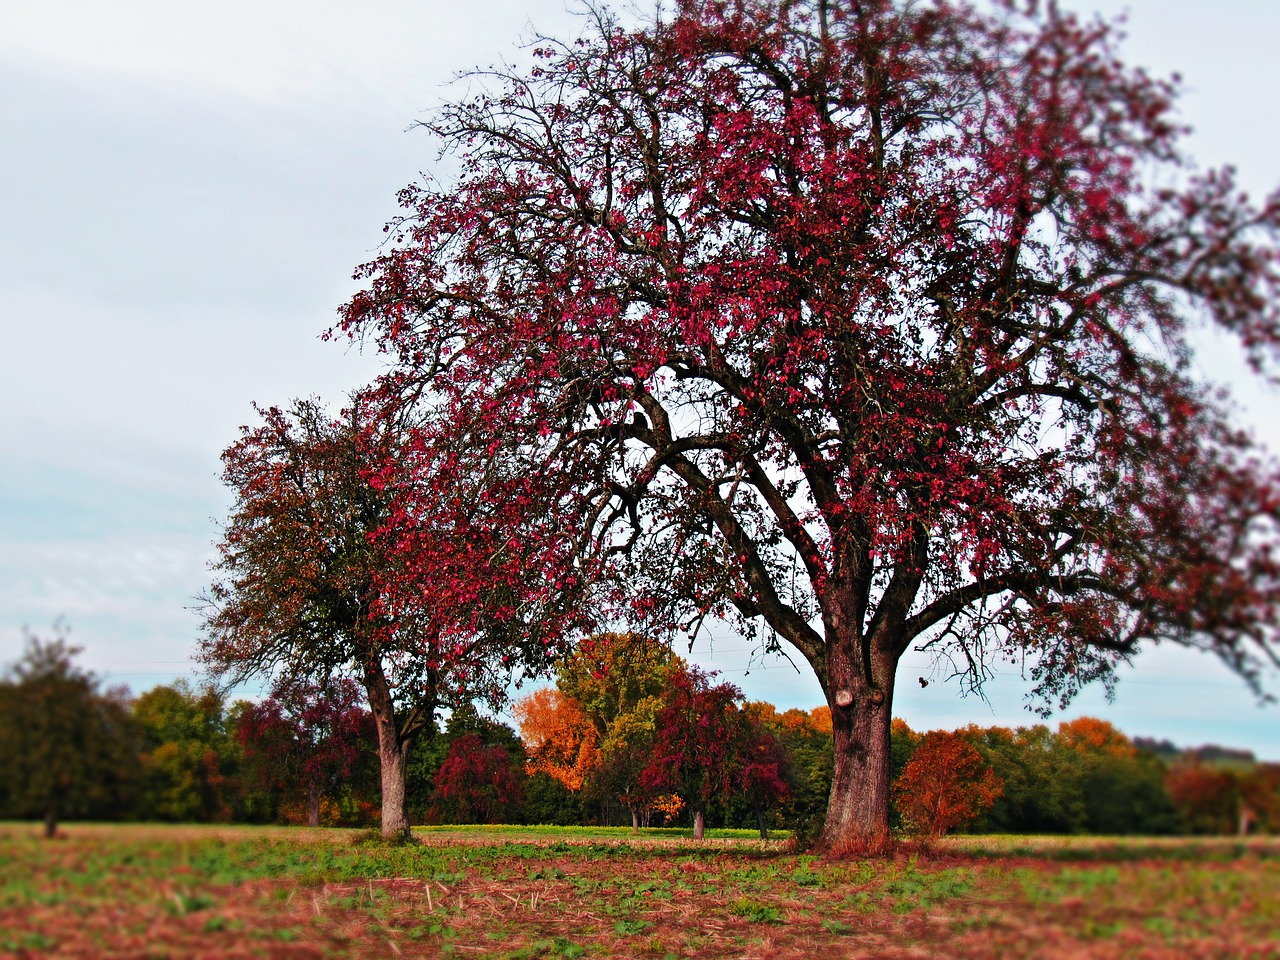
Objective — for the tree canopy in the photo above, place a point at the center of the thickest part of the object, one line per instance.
(67, 748)
(862, 325)
(320, 578)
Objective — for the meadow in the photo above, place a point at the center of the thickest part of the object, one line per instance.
(143, 891)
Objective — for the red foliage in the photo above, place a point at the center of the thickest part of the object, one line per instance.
(864, 321)
(1207, 799)
(946, 784)
(475, 784)
(762, 774)
(697, 740)
(307, 737)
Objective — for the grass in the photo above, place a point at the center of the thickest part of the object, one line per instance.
(148, 891)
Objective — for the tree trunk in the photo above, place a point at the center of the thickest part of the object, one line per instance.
(1245, 823)
(699, 824)
(635, 820)
(391, 754)
(761, 823)
(861, 716)
(313, 804)
(50, 822)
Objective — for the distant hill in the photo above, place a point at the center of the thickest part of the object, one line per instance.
(1210, 754)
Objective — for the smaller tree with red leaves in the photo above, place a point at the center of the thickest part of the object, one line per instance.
(696, 739)
(475, 784)
(1207, 798)
(353, 552)
(945, 785)
(1260, 796)
(307, 738)
(763, 774)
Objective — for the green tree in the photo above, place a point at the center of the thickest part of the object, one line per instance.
(611, 674)
(1043, 790)
(190, 758)
(66, 747)
(1123, 788)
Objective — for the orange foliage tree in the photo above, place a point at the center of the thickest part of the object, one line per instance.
(558, 736)
(1091, 735)
(945, 785)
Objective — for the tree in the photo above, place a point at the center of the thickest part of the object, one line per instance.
(307, 737)
(477, 783)
(864, 326)
(190, 759)
(558, 737)
(1207, 798)
(1260, 796)
(618, 682)
(697, 743)
(764, 770)
(1043, 791)
(329, 568)
(66, 748)
(609, 675)
(625, 754)
(946, 784)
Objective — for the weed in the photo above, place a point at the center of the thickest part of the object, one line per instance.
(629, 928)
(1162, 926)
(29, 941)
(185, 902)
(753, 911)
(546, 873)
(559, 947)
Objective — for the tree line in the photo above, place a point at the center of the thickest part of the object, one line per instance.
(629, 733)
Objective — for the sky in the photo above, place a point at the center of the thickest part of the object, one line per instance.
(185, 190)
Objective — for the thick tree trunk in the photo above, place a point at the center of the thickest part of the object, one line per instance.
(50, 822)
(861, 716)
(313, 804)
(699, 824)
(761, 823)
(391, 754)
(635, 820)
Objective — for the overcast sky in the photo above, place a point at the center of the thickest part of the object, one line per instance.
(184, 192)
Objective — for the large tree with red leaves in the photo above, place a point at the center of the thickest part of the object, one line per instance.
(864, 323)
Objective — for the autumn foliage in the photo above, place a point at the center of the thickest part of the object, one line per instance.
(946, 785)
(559, 738)
(630, 722)
(476, 784)
(305, 741)
(861, 326)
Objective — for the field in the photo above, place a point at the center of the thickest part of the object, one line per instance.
(152, 892)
